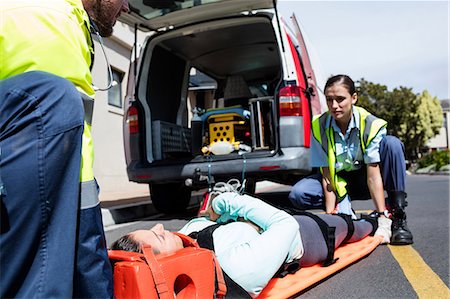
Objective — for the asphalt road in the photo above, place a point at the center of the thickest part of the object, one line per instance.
(417, 271)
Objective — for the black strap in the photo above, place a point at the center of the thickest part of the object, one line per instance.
(373, 221)
(205, 240)
(288, 268)
(328, 233)
(350, 226)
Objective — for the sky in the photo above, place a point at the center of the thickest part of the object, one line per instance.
(393, 43)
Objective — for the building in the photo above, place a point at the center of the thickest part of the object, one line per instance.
(442, 140)
(109, 163)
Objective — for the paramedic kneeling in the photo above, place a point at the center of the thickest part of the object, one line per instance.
(357, 161)
(252, 239)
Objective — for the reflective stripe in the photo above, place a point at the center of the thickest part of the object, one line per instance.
(370, 125)
(89, 194)
(87, 158)
(88, 104)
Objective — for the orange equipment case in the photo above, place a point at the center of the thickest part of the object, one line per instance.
(191, 272)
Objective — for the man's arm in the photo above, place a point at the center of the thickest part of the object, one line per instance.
(328, 192)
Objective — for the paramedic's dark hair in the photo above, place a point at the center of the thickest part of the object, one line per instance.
(127, 243)
(343, 80)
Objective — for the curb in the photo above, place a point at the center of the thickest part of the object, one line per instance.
(117, 215)
(136, 210)
(432, 173)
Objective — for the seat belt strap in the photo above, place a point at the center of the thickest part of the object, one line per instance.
(350, 226)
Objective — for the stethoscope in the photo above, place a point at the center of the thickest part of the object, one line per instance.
(111, 82)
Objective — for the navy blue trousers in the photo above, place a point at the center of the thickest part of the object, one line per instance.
(48, 247)
(308, 192)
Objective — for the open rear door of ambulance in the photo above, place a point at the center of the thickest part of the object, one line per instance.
(163, 15)
(306, 61)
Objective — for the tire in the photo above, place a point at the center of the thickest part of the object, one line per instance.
(170, 198)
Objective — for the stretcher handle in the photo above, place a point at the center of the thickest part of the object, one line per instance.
(221, 286)
(158, 276)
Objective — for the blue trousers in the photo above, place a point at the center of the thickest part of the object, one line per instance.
(49, 248)
(308, 192)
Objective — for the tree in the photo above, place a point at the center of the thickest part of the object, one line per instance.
(430, 116)
(413, 118)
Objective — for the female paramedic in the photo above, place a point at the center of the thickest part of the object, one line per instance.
(357, 161)
(252, 239)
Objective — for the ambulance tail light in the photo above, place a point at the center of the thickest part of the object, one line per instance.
(290, 101)
(133, 120)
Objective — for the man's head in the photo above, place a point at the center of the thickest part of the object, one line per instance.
(105, 13)
(157, 237)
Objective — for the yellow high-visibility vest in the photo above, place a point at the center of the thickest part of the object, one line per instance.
(51, 36)
(369, 125)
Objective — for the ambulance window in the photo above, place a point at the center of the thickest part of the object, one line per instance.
(201, 90)
(200, 81)
(259, 90)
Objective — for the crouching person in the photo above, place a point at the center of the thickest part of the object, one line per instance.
(357, 161)
(253, 240)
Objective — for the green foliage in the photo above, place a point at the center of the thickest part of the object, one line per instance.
(413, 118)
(440, 158)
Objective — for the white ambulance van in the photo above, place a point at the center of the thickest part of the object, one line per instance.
(220, 89)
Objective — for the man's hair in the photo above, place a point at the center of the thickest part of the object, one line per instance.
(128, 243)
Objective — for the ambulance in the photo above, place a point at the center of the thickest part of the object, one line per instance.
(220, 89)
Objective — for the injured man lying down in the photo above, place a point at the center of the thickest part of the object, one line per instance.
(253, 240)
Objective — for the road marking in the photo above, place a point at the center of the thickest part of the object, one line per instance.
(424, 281)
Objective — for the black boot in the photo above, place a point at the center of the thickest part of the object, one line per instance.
(401, 235)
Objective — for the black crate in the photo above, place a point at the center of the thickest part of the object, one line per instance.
(170, 140)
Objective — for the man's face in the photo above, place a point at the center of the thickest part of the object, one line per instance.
(105, 13)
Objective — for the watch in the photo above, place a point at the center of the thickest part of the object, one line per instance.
(385, 213)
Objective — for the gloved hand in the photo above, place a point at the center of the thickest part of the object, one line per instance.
(384, 229)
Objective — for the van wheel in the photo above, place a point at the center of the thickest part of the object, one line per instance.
(170, 198)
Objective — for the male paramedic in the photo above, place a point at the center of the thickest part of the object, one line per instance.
(358, 161)
(52, 240)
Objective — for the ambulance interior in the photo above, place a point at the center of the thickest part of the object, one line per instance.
(220, 76)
